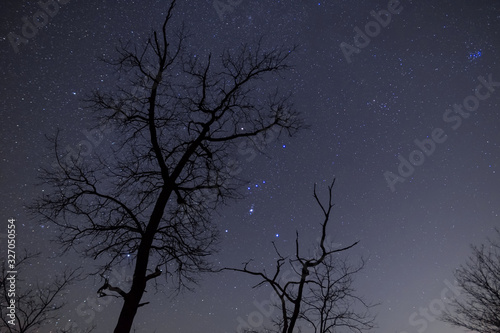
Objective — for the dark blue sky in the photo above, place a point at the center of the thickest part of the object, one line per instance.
(407, 83)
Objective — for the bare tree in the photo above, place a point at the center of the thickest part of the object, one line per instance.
(477, 308)
(320, 290)
(35, 304)
(149, 198)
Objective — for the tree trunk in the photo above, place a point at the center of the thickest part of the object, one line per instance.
(129, 309)
(133, 297)
(298, 300)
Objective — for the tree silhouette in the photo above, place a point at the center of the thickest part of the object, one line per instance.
(317, 289)
(331, 302)
(477, 308)
(149, 198)
(35, 303)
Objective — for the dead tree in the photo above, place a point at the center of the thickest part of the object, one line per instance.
(315, 292)
(477, 308)
(148, 197)
(36, 304)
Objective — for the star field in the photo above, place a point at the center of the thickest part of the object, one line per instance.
(363, 115)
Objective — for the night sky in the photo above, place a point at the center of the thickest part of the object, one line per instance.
(398, 98)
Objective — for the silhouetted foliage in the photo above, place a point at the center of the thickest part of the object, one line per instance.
(150, 199)
(35, 303)
(478, 306)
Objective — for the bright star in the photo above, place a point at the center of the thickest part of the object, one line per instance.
(251, 210)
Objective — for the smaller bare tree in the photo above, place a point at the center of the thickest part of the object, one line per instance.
(320, 290)
(478, 306)
(36, 304)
